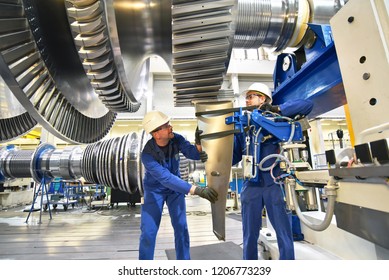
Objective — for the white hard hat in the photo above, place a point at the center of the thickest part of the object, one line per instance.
(153, 120)
(260, 87)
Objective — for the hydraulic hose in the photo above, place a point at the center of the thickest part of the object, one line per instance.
(330, 190)
(278, 156)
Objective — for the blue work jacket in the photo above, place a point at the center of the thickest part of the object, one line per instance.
(288, 109)
(163, 174)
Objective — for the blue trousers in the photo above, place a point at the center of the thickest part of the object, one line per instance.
(151, 214)
(253, 199)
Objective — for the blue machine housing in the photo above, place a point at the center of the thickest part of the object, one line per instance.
(319, 78)
(277, 126)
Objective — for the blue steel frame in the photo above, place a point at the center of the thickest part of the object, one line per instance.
(276, 126)
(319, 78)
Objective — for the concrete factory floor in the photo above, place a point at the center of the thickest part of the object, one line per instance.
(113, 233)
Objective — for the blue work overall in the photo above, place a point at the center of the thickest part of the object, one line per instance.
(261, 191)
(162, 184)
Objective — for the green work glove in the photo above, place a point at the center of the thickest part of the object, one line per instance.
(207, 193)
(203, 156)
(197, 136)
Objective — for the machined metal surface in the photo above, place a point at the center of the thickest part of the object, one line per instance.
(202, 35)
(142, 29)
(72, 69)
(217, 141)
(9, 105)
(33, 73)
(322, 11)
(274, 24)
(89, 24)
(15, 121)
(113, 163)
(37, 171)
(15, 164)
(14, 127)
(63, 163)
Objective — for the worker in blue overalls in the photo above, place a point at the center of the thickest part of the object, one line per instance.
(162, 183)
(262, 191)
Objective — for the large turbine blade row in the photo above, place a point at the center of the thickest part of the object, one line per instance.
(27, 74)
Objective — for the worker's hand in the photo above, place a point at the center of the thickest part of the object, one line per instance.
(203, 156)
(270, 108)
(207, 193)
(197, 136)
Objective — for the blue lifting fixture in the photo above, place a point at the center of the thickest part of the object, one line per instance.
(319, 78)
(277, 126)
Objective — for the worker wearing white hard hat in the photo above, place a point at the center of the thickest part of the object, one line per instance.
(262, 191)
(258, 89)
(153, 120)
(260, 96)
(162, 184)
